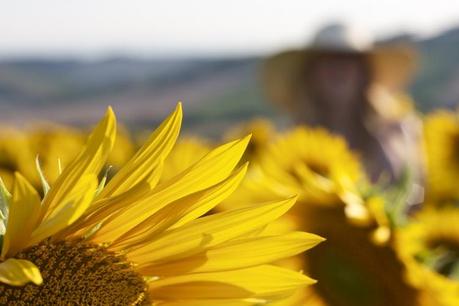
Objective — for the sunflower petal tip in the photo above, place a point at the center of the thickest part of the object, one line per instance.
(316, 238)
(294, 198)
(245, 166)
(312, 281)
(177, 114)
(37, 280)
(319, 239)
(242, 170)
(245, 140)
(288, 202)
(110, 116)
(110, 111)
(248, 137)
(179, 109)
(306, 280)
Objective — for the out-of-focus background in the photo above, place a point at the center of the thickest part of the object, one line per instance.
(67, 60)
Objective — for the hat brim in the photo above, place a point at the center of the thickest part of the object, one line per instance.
(392, 67)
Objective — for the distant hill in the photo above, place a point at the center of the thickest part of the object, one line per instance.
(44, 81)
(217, 92)
(214, 91)
(437, 83)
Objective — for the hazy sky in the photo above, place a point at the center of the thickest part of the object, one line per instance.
(94, 27)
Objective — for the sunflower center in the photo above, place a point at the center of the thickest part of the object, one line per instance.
(317, 167)
(77, 273)
(353, 272)
(313, 166)
(7, 163)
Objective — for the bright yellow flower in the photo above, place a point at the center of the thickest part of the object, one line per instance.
(430, 247)
(136, 241)
(312, 163)
(442, 149)
(351, 268)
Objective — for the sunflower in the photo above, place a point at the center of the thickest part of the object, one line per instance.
(334, 202)
(312, 163)
(442, 150)
(62, 143)
(54, 146)
(430, 247)
(135, 241)
(353, 269)
(15, 155)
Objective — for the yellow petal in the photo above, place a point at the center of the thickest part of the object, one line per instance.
(222, 191)
(24, 211)
(266, 281)
(225, 189)
(103, 208)
(210, 170)
(239, 254)
(145, 160)
(18, 272)
(208, 232)
(74, 206)
(89, 161)
(180, 212)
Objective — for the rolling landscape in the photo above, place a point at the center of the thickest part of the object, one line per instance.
(216, 92)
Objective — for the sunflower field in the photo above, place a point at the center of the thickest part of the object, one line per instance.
(261, 216)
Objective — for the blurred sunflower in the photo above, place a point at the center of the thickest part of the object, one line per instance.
(52, 143)
(353, 269)
(54, 146)
(123, 149)
(357, 265)
(442, 155)
(137, 242)
(312, 163)
(15, 155)
(430, 247)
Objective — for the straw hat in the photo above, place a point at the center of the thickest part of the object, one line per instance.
(392, 65)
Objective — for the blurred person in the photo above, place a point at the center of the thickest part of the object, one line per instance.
(342, 82)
